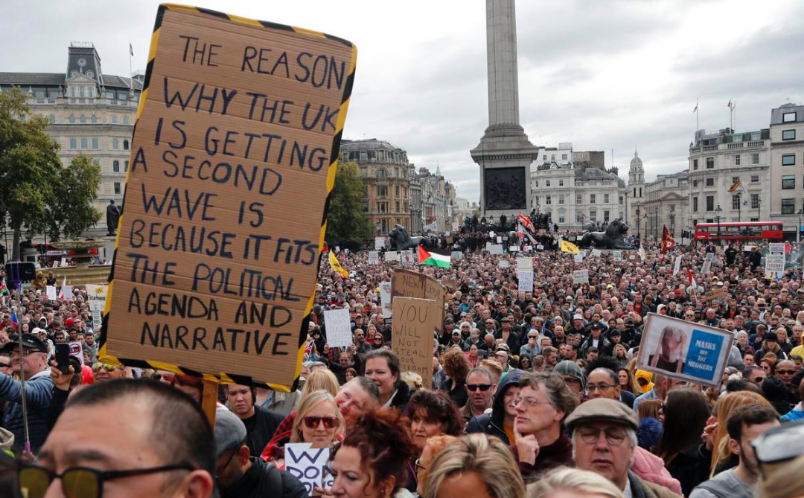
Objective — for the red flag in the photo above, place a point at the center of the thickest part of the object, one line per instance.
(693, 284)
(667, 240)
(526, 222)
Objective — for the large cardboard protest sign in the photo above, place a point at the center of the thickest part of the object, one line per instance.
(309, 465)
(774, 265)
(684, 350)
(233, 159)
(412, 336)
(405, 283)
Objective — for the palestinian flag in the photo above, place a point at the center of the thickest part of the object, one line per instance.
(3, 288)
(433, 258)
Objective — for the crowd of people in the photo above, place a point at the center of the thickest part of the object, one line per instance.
(535, 392)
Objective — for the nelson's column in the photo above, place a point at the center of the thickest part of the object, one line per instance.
(504, 153)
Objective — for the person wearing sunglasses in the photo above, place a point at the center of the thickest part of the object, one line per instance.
(745, 424)
(797, 413)
(32, 358)
(104, 372)
(89, 455)
(480, 385)
(241, 475)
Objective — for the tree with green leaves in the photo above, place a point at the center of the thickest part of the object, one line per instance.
(346, 225)
(37, 193)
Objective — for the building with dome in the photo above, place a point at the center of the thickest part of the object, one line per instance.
(575, 193)
(635, 194)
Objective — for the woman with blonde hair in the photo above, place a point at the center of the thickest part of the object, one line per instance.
(722, 457)
(649, 409)
(432, 448)
(320, 380)
(564, 481)
(475, 465)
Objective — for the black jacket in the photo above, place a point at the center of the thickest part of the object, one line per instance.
(261, 428)
(492, 423)
(400, 399)
(264, 479)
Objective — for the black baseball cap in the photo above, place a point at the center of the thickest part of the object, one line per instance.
(28, 341)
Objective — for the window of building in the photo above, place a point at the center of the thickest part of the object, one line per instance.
(578, 218)
(561, 218)
(84, 143)
(710, 202)
(73, 143)
(606, 216)
(592, 198)
(115, 144)
(82, 119)
(789, 117)
(563, 157)
(552, 157)
(117, 190)
(547, 183)
(114, 119)
(363, 155)
(52, 119)
(125, 166)
(605, 198)
(95, 143)
(544, 157)
(560, 183)
(695, 204)
(788, 160)
(365, 207)
(735, 202)
(710, 182)
(93, 119)
(695, 183)
(396, 190)
(126, 120)
(695, 164)
(382, 190)
(755, 158)
(754, 178)
(737, 160)
(788, 206)
(561, 199)
(81, 92)
(710, 163)
(621, 200)
(593, 216)
(735, 179)
(363, 171)
(788, 182)
(116, 166)
(96, 162)
(537, 183)
(125, 144)
(754, 201)
(548, 199)
(397, 206)
(578, 198)
(788, 134)
(381, 173)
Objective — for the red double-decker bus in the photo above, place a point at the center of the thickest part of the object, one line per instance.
(749, 230)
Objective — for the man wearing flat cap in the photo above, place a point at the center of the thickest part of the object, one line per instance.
(604, 441)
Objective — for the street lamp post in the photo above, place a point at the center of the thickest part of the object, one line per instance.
(645, 218)
(718, 211)
(798, 230)
(639, 236)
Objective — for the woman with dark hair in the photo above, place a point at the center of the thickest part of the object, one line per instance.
(373, 460)
(525, 363)
(432, 413)
(456, 366)
(382, 367)
(685, 414)
(379, 339)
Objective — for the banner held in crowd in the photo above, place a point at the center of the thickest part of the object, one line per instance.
(234, 304)
(338, 328)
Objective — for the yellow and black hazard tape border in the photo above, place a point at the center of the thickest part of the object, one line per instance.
(331, 172)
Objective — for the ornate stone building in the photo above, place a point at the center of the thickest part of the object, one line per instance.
(787, 167)
(437, 199)
(385, 170)
(89, 111)
(666, 203)
(635, 194)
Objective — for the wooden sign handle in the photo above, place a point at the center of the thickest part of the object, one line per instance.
(209, 400)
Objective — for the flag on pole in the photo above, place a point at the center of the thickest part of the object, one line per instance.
(525, 222)
(336, 265)
(693, 284)
(696, 108)
(432, 258)
(14, 317)
(63, 285)
(569, 247)
(667, 240)
(130, 49)
(735, 186)
(532, 240)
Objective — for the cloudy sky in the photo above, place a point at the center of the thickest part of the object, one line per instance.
(602, 74)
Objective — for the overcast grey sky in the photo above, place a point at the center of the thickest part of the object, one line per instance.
(602, 74)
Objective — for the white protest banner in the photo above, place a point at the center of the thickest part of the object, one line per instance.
(96, 297)
(524, 264)
(513, 249)
(774, 265)
(308, 465)
(499, 239)
(374, 257)
(706, 268)
(677, 266)
(503, 264)
(527, 248)
(580, 277)
(455, 226)
(391, 256)
(385, 299)
(338, 328)
(379, 243)
(525, 280)
(406, 258)
(596, 253)
(684, 350)
(579, 257)
(632, 256)
(776, 248)
(456, 255)
(747, 248)
(710, 256)
(52, 292)
(231, 303)
(496, 249)
(617, 255)
(539, 247)
(412, 336)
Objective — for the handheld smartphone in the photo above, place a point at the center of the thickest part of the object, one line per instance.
(63, 358)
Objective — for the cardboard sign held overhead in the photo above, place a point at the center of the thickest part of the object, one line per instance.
(339, 331)
(412, 336)
(234, 156)
(405, 283)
